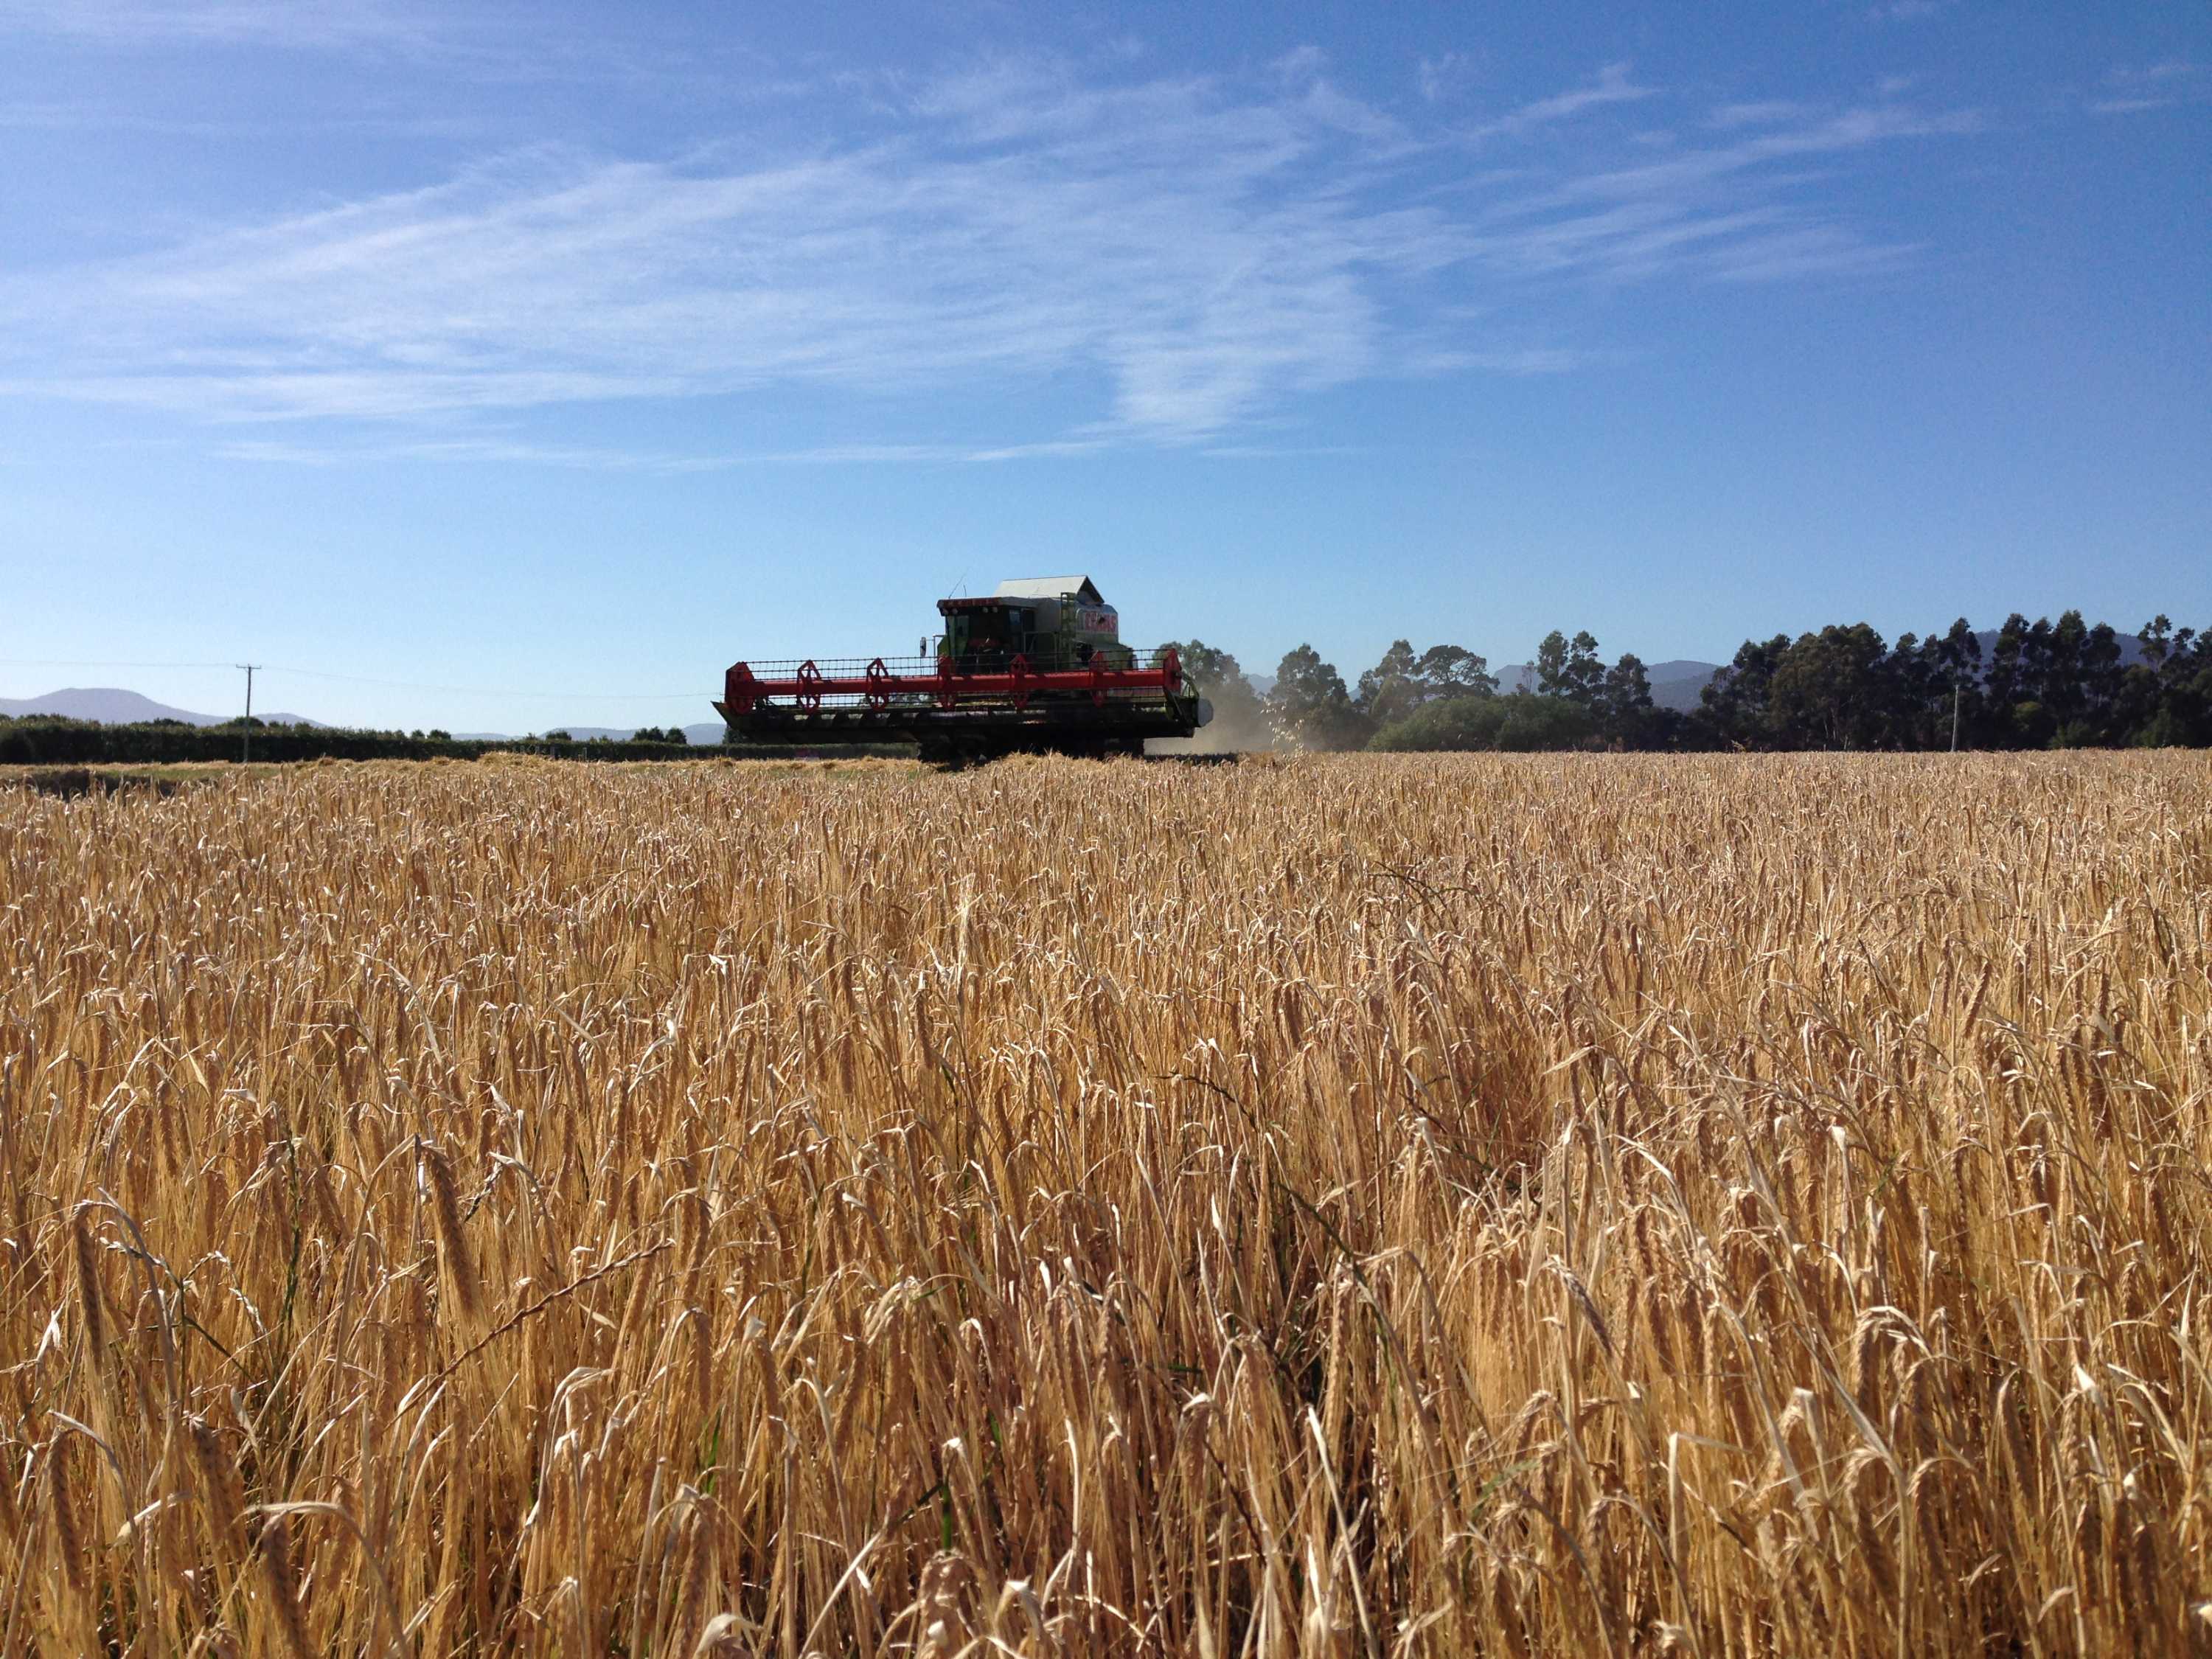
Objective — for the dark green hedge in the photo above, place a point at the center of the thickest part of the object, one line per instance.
(42, 742)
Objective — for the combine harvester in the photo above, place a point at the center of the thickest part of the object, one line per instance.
(1037, 666)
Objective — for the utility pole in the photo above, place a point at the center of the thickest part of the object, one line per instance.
(245, 732)
(1954, 717)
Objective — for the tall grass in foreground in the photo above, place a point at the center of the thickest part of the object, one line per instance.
(1361, 1205)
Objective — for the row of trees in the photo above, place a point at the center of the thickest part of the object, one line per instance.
(2041, 684)
(1445, 697)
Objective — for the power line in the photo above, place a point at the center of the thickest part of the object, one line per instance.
(364, 679)
(489, 691)
(64, 662)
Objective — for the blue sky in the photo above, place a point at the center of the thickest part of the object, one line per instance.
(559, 354)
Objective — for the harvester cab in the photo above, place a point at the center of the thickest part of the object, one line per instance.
(1056, 623)
(1037, 665)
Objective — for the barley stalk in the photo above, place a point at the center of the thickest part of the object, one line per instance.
(1728, 1206)
(281, 1579)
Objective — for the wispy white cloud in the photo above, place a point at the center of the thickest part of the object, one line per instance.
(1444, 74)
(1200, 252)
(1735, 211)
(1784, 252)
(1907, 11)
(498, 41)
(476, 449)
(1764, 112)
(1098, 244)
(2161, 86)
(1525, 361)
(522, 452)
(328, 25)
(1614, 85)
(92, 115)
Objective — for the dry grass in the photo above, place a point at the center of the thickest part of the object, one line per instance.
(1366, 1205)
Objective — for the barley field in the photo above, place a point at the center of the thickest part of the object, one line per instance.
(1362, 1206)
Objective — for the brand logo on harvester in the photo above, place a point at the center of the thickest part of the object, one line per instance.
(1099, 619)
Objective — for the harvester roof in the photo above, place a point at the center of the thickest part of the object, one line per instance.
(1050, 588)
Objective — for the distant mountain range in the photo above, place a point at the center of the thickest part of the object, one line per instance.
(112, 706)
